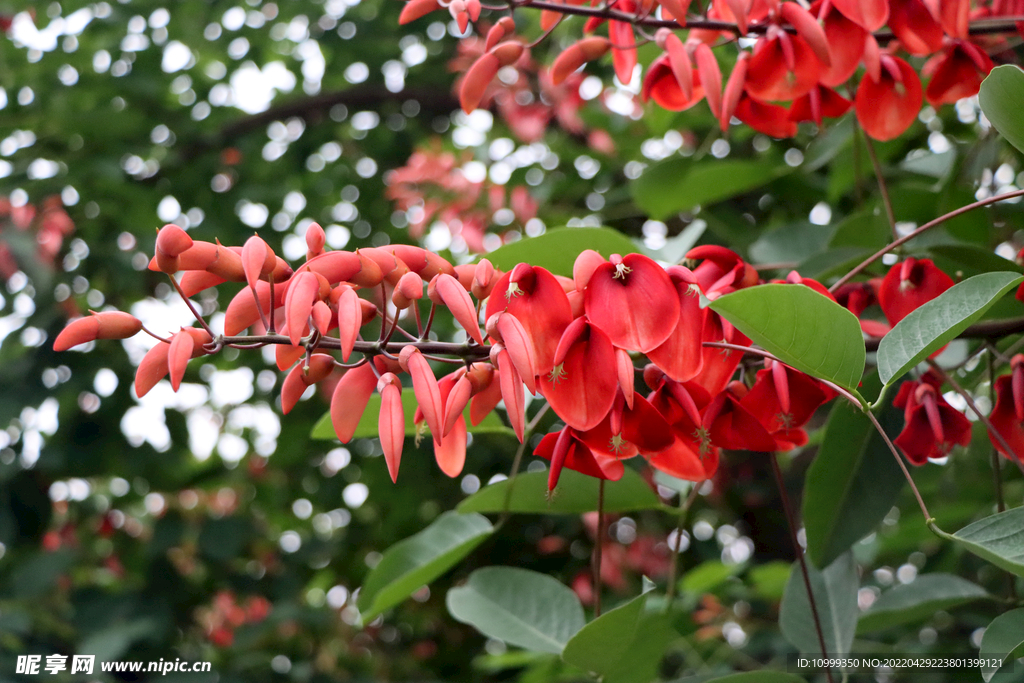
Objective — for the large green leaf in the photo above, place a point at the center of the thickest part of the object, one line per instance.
(853, 481)
(642, 662)
(835, 596)
(1003, 638)
(558, 248)
(679, 184)
(934, 324)
(801, 327)
(998, 539)
(600, 645)
(419, 559)
(367, 427)
(918, 600)
(576, 494)
(519, 606)
(1001, 98)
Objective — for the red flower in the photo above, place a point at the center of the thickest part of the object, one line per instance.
(783, 67)
(566, 449)
(771, 119)
(537, 300)
(933, 426)
(632, 300)
(819, 103)
(958, 73)
(783, 400)
(1007, 417)
(845, 43)
(916, 27)
(910, 284)
(888, 104)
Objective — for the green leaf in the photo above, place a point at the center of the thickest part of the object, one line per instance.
(521, 607)
(643, 657)
(367, 427)
(419, 559)
(998, 539)
(759, 677)
(679, 184)
(706, 576)
(853, 481)
(801, 327)
(935, 165)
(1001, 98)
(1003, 638)
(768, 581)
(558, 248)
(600, 645)
(934, 324)
(576, 494)
(795, 242)
(920, 599)
(969, 259)
(835, 595)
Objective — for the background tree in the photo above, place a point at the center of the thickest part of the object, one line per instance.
(204, 525)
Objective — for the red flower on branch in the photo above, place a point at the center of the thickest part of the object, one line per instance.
(932, 426)
(1007, 417)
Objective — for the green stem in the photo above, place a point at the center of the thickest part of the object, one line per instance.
(799, 552)
(882, 187)
(517, 461)
(673, 570)
(903, 466)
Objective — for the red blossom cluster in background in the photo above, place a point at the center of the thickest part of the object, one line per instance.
(226, 614)
(806, 63)
(47, 227)
(433, 187)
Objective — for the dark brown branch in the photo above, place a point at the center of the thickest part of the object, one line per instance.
(438, 101)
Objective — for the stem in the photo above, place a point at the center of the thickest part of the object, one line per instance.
(924, 228)
(799, 552)
(154, 335)
(974, 408)
(599, 548)
(673, 570)
(527, 433)
(886, 201)
(273, 326)
(192, 308)
(899, 461)
(997, 480)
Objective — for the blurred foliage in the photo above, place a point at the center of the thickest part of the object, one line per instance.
(205, 526)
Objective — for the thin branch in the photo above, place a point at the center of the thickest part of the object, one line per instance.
(899, 460)
(924, 228)
(527, 433)
(192, 308)
(684, 507)
(599, 548)
(799, 552)
(882, 187)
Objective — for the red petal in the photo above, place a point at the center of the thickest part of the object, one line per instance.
(152, 369)
(349, 400)
(871, 14)
(634, 303)
(770, 80)
(391, 425)
(537, 301)
(581, 390)
(182, 346)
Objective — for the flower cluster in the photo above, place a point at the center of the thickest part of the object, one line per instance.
(575, 341)
(802, 61)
